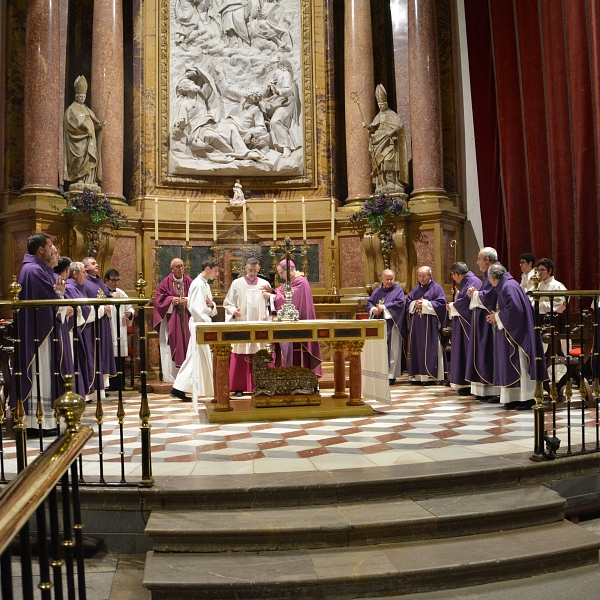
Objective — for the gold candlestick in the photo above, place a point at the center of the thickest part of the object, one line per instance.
(216, 288)
(305, 259)
(156, 270)
(188, 265)
(273, 252)
(332, 291)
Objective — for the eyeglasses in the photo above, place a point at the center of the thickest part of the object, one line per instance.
(177, 267)
(114, 280)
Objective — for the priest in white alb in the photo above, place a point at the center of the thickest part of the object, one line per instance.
(245, 302)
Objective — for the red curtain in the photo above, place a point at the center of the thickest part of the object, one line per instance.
(535, 89)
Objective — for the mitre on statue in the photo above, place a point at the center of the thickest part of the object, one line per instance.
(380, 93)
(81, 85)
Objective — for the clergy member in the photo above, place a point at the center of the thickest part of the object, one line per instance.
(196, 374)
(81, 328)
(545, 269)
(37, 283)
(526, 261)
(387, 302)
(515, 348)
(95, 288)
(245, 302)
(299, 354)
(427, 315)
(480, 353)
(460, 313)
(171, 319)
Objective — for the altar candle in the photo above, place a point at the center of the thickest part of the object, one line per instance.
(303, 219)
(245, 224)
(274, 220)
(187, 221)
(214, 220)
(156, 219)
(332, 220)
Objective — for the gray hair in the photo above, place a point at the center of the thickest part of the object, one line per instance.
(77, 267)
(460, 268)
(174, 259)
(497, 272)
(428, 270)
(490, 253)
(386, 271)
(86, 260)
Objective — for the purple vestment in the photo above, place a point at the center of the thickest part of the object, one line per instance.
(516, 314)
(65, 357)
(300, 354)
(86, 348)
(177, 322)
(95, 288)
(461, 329)
(424, 330)
(37, 283)
(480, 352)
(393, 299)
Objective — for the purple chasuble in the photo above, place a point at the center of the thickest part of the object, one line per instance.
(177, 320)
(461, 329)
(65, 357)
(393, 299)
(424, 330)
(37, 281)
(95, 288)
(85, 348)
(516, 314)
(480, 352)
(299, 354)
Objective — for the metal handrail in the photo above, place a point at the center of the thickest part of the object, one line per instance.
(29, 489)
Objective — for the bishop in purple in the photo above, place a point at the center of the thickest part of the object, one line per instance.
(460, 312)
(388, 302)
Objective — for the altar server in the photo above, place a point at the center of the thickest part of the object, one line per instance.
(245, 302)
(196, 374)
(460, 313)
(426, 305)
(171, 319)
(388, 302)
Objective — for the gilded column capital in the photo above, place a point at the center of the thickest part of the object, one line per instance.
(355, 348)
(337, 346)
(221, 351)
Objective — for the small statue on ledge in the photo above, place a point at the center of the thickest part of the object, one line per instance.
(82, 132)
(238, 194)
(387, 146)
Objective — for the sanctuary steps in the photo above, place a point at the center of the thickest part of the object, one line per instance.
(365, 543)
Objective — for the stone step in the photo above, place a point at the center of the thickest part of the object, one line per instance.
(348, 524)
(374, 571)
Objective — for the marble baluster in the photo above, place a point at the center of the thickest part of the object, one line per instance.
(42, 97)
(107, 91)
(339, 370)
(425, 104)
(355, 363)
(359, 78)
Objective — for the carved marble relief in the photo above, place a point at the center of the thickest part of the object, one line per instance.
(235, 81)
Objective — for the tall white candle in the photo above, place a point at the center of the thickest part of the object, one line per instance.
(214, 220)
(303, 219)
(332, 220)
(155, 219)
(187, 221)
(245, 224)
(274, 220)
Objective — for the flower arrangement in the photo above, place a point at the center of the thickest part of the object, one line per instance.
(97, 207)
(376, 212)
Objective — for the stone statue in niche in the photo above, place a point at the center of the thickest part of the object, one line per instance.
(82, 132)
(388, 148)
(235, 102)
(238, 194)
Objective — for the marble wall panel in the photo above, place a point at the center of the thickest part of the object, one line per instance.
(20, 249)
(448, 254)
(424, 248)
(123, 260)
(352, 270)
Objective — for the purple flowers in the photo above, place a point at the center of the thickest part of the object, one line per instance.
(377, 209)
(98, 208)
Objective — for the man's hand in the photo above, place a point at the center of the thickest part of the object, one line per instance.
(107, 311)
(70, 312)
(209, 302)
(419, 304)
(471, 291)
(128, 314)
(237, 313)
(448, 307)
(59, 286)
(491, 318)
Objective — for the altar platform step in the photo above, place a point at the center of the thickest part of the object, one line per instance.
(374, 571)
(354, 523)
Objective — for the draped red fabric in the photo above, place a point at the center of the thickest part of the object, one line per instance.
(542, 120)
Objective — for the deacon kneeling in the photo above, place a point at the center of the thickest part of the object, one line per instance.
(427, 315)
(244, 302)
(515, 364)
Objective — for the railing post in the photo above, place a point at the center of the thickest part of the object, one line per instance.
(147, 479)
(539, 411)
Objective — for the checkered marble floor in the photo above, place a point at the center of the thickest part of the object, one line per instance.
(423, 424)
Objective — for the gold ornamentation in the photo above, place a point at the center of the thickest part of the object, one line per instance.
(355, 348)
(70, 406)
(337, 346)
(281, 381)
(221, 351)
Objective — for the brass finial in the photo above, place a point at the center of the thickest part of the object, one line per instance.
(70, 406)
(140, 285)
(535, 279)
(14, 288)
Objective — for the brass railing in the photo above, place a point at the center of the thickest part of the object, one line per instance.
(35, 490)
(572, 356)
(35, 404)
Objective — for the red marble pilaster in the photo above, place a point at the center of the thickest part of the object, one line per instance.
(107, 91)
(355, 350)
(339, 370)
(358, 73)
(42, 123)
(222, 353)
